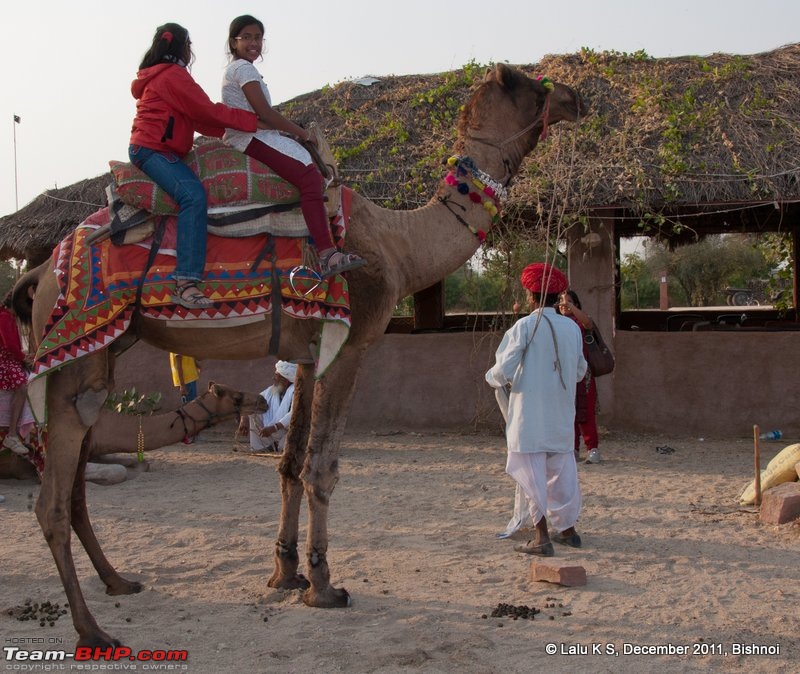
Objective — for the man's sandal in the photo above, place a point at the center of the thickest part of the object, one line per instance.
(338, 262)
(541, 549)
(572, 540)
(189, 296)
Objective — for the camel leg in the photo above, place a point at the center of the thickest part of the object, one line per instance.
(332, 396)
(66, 433)
(82, 526)
(286, 558)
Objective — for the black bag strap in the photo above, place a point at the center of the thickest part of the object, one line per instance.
(557, 361)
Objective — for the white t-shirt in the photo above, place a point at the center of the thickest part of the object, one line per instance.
(237, 74)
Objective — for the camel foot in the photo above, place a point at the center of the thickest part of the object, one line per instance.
(98, 639)
(331, 597)
(122, 586)
(294, 582)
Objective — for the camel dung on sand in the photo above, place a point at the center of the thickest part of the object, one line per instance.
(406, 251)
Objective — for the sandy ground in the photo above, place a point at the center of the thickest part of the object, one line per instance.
(671, 560)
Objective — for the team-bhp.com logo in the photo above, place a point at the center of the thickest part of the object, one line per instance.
(87, 654)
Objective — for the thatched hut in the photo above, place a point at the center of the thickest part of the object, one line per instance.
(33, 231)
(665, 136)
(675, 148)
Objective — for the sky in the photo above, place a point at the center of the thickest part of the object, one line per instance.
(67, 66)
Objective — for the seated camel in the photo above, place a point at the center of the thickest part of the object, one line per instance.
(125, 433)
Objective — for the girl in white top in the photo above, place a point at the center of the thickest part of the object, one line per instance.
(278, 147)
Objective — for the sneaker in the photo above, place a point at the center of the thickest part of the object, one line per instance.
(13, 443)
(593, 456)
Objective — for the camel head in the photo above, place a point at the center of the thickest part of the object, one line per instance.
(224, 401)
(510, 111)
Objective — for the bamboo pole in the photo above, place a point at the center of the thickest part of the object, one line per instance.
(757, 459)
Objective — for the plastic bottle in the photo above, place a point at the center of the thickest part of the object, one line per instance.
(772, 435)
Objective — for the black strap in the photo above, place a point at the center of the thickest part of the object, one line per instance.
(557, 361)
(236, 217)
(277, 305)
(155, 246)
(447, 204)
(118, 226)
(268, 249)
(275, 295)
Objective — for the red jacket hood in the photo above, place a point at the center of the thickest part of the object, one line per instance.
(145, 76)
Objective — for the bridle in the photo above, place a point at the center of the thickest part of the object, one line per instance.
(199, 424)
(499, 192)
(542, 118)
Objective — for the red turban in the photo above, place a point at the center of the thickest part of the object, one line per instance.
(538, 277)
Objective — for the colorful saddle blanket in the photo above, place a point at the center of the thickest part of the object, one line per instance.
(99, 284)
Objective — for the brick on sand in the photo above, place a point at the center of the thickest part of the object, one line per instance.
(561, 573)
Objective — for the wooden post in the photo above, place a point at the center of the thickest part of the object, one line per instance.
(663, 295)
(757, 458)
(429, 308)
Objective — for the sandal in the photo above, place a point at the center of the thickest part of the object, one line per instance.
(572, 540)
(189, 296)
(338, 262)
(541, 549)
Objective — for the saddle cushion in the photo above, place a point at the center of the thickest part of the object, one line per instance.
(230, 177)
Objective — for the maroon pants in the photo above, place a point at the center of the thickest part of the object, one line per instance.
(308, 180)
(586, 414)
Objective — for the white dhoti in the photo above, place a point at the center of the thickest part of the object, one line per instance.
(550, 482)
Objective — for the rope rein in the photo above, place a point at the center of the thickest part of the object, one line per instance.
(211, 420)
(542, 117)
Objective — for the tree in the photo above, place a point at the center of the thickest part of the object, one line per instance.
(639, 289)
(703, 270)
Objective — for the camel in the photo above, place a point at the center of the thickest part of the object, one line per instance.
(116, 433)
(406, 252)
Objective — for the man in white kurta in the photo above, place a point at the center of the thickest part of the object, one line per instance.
(541, 357)
(268, 430)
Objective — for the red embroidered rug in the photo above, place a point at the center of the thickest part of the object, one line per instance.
(99, 285)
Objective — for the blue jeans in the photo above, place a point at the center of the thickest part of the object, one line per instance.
(191, 392)
(181, 183)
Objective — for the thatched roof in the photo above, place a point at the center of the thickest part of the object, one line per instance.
(34, 230)
(663, 135)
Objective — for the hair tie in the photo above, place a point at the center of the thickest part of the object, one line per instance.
(166, 35)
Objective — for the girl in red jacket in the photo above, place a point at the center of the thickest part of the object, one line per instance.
(170, 107)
